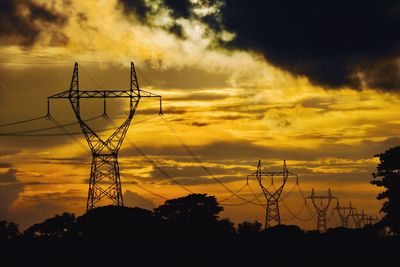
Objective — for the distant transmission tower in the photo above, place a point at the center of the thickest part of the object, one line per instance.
(321, 208)
(344, 213)
(371, 219)
(104, 179)
(359, 219)
(272, 216)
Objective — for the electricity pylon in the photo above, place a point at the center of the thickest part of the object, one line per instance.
(104, 175)
(272, 216)
(359, 219)
(344, 213)
(321, 208)
(371, 219)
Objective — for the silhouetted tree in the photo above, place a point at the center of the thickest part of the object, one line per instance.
(59, 226)
(249, 229)
(387, 175)
(116, 222)
(192, 208)
(8, 230)
(226, 228)
(282, 232)
(194, 217)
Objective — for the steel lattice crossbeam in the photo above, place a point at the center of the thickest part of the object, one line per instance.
(359, 219)
(344, 213)
(104, 176)
(322, 208)
(102, 94)
(272, 216)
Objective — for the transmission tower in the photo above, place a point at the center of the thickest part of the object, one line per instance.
(371, 219)
(344, 213)
(104, 179)
(272, 216)
(321, 208)
(359, 219)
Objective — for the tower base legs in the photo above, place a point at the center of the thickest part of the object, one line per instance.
(104, 180)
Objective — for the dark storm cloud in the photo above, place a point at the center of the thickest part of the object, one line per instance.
(21, 22)
(335, 44)
(176, 8)
(328, 42)
(138, 7)
(180, 8)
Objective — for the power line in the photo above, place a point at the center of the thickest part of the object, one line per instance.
(23, 121)
(191, 153)
(54, 58)
(76, 140)
(151, 161)
(151, 192)
(297, 214)
(141, 152)
(231, 196)
(48, 128)
(288, 193)
(254, 194)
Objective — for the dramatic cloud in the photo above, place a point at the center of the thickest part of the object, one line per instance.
(138, 7)
(337, 44)
(21, 23)
(334, 44)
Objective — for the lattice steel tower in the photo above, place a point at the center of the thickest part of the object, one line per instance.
(359, 219)
(371, 220)
(344, 213)
(321, 208)
(104, 175)
(272, 216)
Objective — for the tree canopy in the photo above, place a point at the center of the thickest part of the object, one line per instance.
(191, 208)
(8, 230)
(387, 175)
(57, 227)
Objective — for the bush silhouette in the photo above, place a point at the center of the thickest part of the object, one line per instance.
(283, 232)
(59, 226)
(8, 230)
(249, 229)
(116, 222)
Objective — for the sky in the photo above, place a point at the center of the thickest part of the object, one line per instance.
(315, 84)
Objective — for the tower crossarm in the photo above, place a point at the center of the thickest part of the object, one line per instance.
(321, 208)
(103, 94)
(272, 197)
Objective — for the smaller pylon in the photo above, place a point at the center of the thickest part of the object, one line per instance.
(344, 213)
(321, 208)
(371, 220)
(272, 195)
(359, 219)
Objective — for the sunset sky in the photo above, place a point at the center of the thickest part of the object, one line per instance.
(315, 83)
